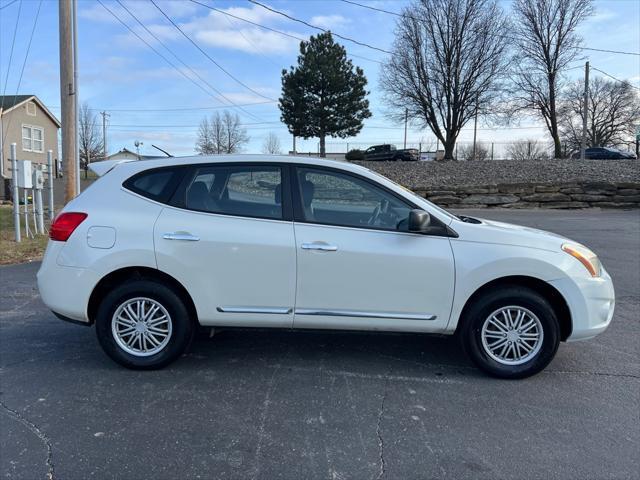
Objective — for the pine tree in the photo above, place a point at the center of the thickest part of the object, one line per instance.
(324, 95)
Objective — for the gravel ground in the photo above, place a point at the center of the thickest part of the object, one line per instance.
(423, 175)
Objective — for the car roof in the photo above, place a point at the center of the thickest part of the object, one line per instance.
(102, 167)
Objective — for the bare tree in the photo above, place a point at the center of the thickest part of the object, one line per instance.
(221, 134)
(89, 136)
(613, 112)
(271, 144)
(522, 150)
(447, 59)
(204, 142)
(465, 152)
(234, 135)
(546, 42)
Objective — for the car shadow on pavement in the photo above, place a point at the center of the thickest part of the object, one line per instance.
(345, 352)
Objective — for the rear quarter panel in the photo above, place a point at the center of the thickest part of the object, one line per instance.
(127, 217)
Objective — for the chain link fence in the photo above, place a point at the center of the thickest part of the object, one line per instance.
(519, 150)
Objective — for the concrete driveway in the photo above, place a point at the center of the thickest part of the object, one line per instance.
(301, 405)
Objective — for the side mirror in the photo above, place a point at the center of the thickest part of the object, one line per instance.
(419, 221)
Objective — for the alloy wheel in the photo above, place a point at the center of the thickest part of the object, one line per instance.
(512, 335)
(141, 326)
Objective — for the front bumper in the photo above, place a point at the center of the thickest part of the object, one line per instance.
(591, 302)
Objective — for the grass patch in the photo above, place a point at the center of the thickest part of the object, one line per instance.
(28, 250)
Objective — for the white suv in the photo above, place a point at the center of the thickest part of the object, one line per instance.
(155, 248)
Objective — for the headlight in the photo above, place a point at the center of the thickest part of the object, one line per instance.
(585, 256)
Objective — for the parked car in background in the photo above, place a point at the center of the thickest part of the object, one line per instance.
(605, 153)
(388, 152)
(156, 248)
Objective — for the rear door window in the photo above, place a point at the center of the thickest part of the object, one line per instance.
(241, 190)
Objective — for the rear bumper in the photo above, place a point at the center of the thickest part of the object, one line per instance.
(65, 290)
(591, 302)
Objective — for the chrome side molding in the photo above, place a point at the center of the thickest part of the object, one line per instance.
(362, 314)
(267, 310)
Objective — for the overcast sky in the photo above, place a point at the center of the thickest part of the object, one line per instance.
(122, 75)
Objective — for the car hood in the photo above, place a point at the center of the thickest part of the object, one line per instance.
(489, 231)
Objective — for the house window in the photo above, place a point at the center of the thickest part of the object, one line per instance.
(32, 139)
(31, 109)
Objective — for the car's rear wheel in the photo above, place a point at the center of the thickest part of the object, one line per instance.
(511, 332)
(143, 324)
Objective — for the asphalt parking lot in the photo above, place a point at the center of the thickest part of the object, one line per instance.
(302, 405)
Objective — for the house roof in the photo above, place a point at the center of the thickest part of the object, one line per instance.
(126, 150)
(9, 102)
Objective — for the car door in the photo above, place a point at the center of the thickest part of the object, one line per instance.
(228, 238)
(357, 268)
(370, 153)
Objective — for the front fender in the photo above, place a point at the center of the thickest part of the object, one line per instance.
(477, 264)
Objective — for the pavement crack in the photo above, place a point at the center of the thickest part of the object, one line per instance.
(598, 374)
(33, 428)
(379, 434)
(263, 420)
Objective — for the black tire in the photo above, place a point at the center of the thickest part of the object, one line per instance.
(477, 313)
(182, 330)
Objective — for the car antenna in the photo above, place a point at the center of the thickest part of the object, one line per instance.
(163, 151)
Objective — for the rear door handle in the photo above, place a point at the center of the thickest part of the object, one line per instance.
(184, 236)
(325, 247)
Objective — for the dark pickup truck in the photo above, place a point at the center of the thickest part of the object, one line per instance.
(390, 152)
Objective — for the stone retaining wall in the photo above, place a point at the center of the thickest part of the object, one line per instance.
(523, 195)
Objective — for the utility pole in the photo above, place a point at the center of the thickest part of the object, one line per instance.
(104, 134)
(137, 144)
(475, 129)
(406, 118)
(74, 30)
(67, 99)
(585, 105)
(294, 144)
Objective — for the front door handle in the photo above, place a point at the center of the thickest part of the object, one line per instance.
(325, 247)
(184, 236)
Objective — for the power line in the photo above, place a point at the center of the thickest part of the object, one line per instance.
(175, 126)
(26, 56)
(226, 72)
(13, 42)
(286, 15)
(278, 124)
(155, 50)
(614, 78)
(280, 32)
(176, 109)
(175, 67)
(389, 12)
(182, 62)
(251, 43)
(8, 4)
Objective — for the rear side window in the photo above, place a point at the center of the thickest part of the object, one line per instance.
(157, 184)
(247, 191)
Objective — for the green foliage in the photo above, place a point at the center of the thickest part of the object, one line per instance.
(325, 94)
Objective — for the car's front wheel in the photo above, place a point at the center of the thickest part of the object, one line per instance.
(143, 324)
(511, 332)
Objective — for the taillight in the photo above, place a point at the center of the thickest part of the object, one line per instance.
(64, 225)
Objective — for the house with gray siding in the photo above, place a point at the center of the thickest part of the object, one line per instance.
(27, 122)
